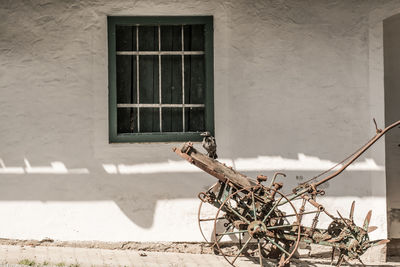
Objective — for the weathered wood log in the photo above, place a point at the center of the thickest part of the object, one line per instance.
(213, 167)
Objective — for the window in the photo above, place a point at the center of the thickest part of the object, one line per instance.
(160, 78)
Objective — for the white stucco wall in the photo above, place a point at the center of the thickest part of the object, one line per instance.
(291, 77)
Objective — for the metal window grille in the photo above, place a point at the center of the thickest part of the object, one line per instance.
(137, 107)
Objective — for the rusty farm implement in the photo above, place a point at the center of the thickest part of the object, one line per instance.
(259, 221)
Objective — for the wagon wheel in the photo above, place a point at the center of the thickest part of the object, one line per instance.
(203, 220)
(206, 226)
(260, 223)
(206, 218)
(205, 214)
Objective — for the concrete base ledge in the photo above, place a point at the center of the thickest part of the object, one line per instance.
(374, 254)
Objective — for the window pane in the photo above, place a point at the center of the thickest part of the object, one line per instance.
(125, 38)
(172, 119)
(148, 79)
(148, 38)
(126, 79)
(127, 120)
(194, 37)
(171, 79)
(171, 38)
(194, 79)
(194, 120)
(149, 120)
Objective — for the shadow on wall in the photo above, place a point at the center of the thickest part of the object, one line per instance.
(75, 34)
(136, 188)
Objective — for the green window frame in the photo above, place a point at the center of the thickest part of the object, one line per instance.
(138, 21)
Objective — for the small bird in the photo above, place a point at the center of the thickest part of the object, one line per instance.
(209, 145)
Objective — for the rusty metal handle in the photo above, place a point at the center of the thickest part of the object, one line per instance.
(274, 178)
(378, 135)
(313, 202)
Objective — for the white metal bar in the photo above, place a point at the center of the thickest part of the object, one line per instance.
(137, 79)
(183, 77)
(159, 76)
(160, 105)
(163, 53)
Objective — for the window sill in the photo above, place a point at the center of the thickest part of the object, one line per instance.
(156, 137)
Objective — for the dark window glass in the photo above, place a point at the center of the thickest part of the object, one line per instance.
(194, 79)
(125, 38)
(171, 38)
(155, 90)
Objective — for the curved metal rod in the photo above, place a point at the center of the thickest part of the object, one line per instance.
(378, 135)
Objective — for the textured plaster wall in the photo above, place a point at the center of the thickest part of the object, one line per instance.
(290, 77)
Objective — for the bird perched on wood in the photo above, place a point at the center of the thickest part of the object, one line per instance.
(209, 145)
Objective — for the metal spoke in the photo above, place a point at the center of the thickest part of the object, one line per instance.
(277, 245)
(211, 219)
(233, 233)
(226, 230)
(340, 260)
(259, 249)
(254, 205)
(270, 211)
(279, 226)
(240, 251)
(238, 214)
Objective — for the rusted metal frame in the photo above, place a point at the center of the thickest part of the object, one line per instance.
(297, 236)
(306, 192)
(302, 209)
(277, 245)
(315, 222)
(236, 213)
(272, 209)
(271, 235)
(310, 239)
(300, 194)
(291, 215)
(293, 196)
(253, 204)
(274, 178)
(223, 194)
(320, 207)
(279, 226)
(305, 239)
(379, 134)
(313, 202)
